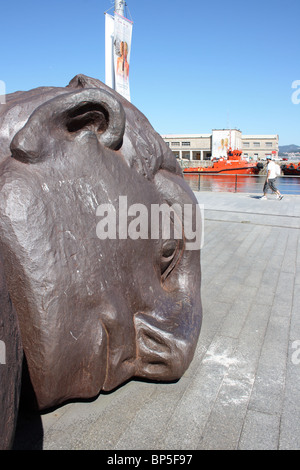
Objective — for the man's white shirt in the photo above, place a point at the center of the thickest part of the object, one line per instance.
(272, 169)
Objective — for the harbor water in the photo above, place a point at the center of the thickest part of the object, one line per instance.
(241, 183)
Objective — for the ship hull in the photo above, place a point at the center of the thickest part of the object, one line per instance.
(229, 169)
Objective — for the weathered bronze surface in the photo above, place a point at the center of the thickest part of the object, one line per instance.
(92, 312)
(11, 355)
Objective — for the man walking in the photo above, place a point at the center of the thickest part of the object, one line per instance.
(271, 179)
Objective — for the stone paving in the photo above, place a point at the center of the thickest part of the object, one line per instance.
(242, 390)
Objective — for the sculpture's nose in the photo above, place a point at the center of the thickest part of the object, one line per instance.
(147, 331)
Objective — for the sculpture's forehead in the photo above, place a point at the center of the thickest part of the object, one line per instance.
(142, 147)
(20, 106)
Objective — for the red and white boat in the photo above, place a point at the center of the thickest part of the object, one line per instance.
(233, 164)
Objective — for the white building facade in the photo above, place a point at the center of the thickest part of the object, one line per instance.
(195, 147)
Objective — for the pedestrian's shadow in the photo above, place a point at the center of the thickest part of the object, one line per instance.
(255, 196)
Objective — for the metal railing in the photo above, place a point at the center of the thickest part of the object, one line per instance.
(240, 183)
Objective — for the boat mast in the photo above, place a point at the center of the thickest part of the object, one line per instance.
(119, 7)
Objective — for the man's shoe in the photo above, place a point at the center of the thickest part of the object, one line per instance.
(264, 197)
(280, 197)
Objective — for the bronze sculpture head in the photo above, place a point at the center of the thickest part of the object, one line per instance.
(93, 310)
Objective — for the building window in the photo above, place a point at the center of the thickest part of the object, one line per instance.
(269, 145)
(186, 144)
(168, 144)
(175, 144)
(246, 145)
(186, 155)
(256, 144)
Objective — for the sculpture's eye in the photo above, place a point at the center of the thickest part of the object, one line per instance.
(170, 255)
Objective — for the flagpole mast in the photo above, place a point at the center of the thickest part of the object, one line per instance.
(119, 7)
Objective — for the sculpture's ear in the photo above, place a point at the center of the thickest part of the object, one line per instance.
(67, 116)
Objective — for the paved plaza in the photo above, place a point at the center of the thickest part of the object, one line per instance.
(242, 390)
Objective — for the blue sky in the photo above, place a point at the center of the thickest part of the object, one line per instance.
(195, 65)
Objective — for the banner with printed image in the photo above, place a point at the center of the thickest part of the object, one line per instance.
(122, 47)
